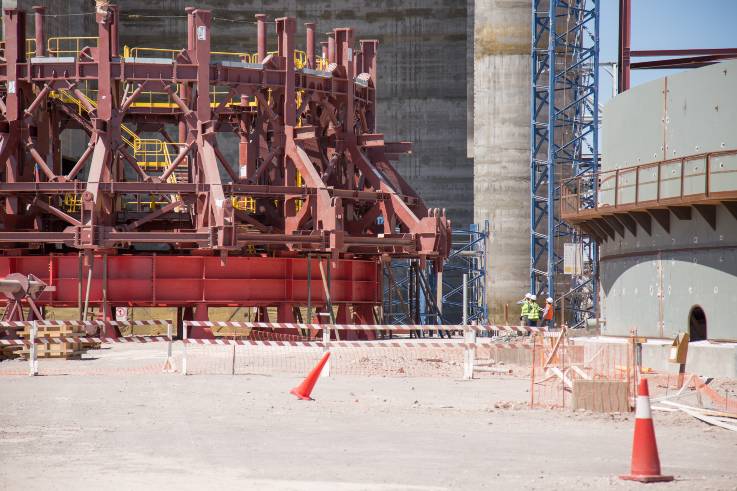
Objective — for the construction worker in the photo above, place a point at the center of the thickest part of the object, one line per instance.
(534, 311)
(548, 313)
(525, 312)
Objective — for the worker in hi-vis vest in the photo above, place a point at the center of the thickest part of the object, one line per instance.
(548, 313)
(525, 312)
(534, 311)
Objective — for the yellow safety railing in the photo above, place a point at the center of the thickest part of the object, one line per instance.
(142, 52)
(137, 52)
(30, 47)
(152, 153)
(245, 57)
(322, 63)
(151, 204)
(244, 203)
(300, 182)
(300, 57)
(72, 202)
(69, 45)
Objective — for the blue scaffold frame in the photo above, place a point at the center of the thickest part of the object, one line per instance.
(467, 256)
(564, 144)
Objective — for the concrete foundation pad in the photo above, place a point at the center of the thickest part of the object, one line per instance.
(704, 357)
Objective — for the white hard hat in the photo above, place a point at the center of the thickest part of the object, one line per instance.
(528, 295)
(549, 300)
(533, 297)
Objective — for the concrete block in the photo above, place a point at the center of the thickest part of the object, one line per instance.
(704, 358)
(512, 356)
(601, 396)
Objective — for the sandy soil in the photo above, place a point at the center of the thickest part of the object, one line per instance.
(154, 431)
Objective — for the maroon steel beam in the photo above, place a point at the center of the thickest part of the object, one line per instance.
(686, 62)
(261, 37)
(625, 32)
(114, 30)
(331, 47)
(38, 22)
(688, 58)
(683, 52)
(310, 44)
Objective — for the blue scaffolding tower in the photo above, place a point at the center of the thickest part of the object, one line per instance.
(468, 256)
(410, 291)
(564, 144)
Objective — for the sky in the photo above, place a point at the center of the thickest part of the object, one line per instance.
(665, 24)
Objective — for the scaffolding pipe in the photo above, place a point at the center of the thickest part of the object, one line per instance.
(465, 299)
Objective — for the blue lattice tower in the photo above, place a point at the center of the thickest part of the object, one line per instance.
(564, 144)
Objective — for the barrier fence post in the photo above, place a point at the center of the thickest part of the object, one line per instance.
(532, 370)
(232, 362)
(33, 354)
(326, 348)
(169, 364)
(185, 328)
(469, 351)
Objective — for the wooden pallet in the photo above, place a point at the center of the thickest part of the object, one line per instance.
(68, 350)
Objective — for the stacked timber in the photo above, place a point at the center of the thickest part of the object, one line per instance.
(68, 349)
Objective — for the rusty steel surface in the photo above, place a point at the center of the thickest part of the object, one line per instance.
(162, 281)
(669, 58)
(318, 172)
(313, 175)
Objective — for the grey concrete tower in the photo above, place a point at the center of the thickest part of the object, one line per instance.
(501, 153)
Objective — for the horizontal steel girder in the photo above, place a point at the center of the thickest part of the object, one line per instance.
(162, 281)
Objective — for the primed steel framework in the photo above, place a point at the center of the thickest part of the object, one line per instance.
(669, 58)
(310, 157)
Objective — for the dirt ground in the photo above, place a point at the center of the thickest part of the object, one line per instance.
(151, 430)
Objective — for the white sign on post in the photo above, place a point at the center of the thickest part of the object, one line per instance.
(573, 258)
(121, 313)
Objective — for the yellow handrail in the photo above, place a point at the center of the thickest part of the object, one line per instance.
(322, 63)
(30, 47)
(134, 52)
(244, 203)
(68, 45)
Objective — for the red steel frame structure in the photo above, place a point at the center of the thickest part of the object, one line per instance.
(669, 58)
(309, 156)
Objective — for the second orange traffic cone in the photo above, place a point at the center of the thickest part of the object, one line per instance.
(645, 460)
(304, 389)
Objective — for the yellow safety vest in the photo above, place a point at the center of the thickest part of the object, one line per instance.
(534, 311)
(525, 309)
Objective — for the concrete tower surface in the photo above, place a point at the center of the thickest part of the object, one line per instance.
(502, 144)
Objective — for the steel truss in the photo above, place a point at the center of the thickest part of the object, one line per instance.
(313, 174)
(564, 144)
(411, 294)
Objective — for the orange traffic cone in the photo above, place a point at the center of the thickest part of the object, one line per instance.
(304, 389)
(645, 460)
